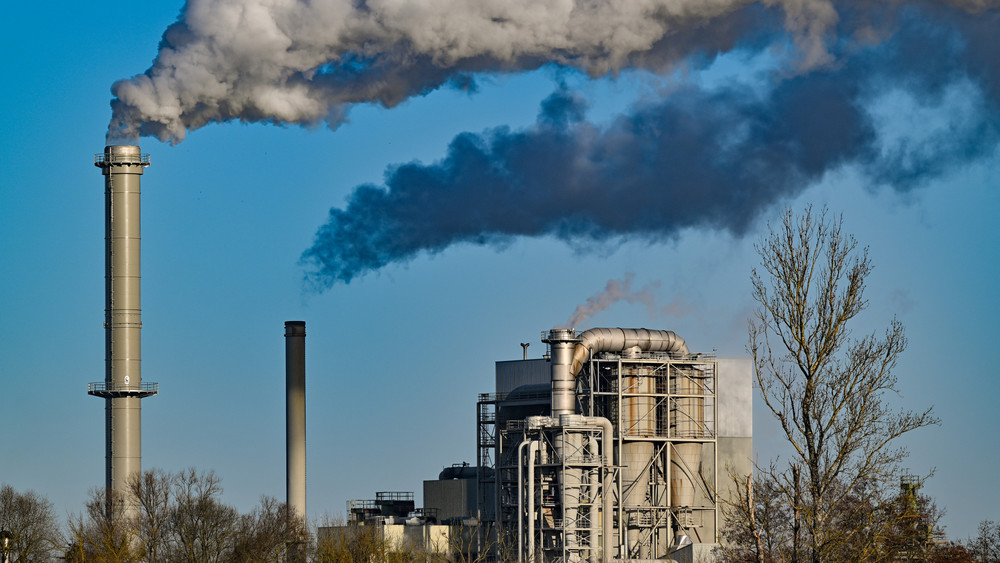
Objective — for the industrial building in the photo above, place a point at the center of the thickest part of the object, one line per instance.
(616, 445)
(394, 520)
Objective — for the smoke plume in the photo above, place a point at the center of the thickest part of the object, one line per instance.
(289, 61)
(614, 291)
(712, 158)
(296, 62)
(698, 157)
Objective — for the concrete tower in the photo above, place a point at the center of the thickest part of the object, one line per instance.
(295, 416)
(122, 388)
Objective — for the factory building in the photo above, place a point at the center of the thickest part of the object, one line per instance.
(616, 445)
(452, 497)
(394, 521)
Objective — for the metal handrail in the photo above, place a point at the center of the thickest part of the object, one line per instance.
(101, 158)
(103, 386)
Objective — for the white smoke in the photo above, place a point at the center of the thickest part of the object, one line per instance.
(292, 61)
(614, 291)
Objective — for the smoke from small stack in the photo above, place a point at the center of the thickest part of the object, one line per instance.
(614, 291)
(699, 157)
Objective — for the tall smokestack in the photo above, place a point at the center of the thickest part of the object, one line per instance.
(122, 389)
(295, 416)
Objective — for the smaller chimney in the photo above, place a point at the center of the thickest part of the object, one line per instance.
(295, 417)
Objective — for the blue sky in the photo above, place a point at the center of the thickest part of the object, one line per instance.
(397, 356)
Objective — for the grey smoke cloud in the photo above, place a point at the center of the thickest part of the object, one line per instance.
(295, 62)
(696, 158)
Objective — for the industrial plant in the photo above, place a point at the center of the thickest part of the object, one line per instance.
(614, 445)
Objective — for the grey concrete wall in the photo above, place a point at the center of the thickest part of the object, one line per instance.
(515, 373)
(453, 498)
(735, 394)
(735, 454)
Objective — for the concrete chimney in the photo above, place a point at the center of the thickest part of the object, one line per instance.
(295, 417)
(122, 388)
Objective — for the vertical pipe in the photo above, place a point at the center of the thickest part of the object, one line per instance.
(520, 499)
(562, 343)
(607, 436)
(122, 167)
(532, 450)
(295, 417)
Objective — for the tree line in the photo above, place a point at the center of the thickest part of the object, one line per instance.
(181, 518)
(162, 517)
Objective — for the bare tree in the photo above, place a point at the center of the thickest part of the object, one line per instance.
(103, 534)
(150, 491)
(756, 522)
(31, 521)
(356, 544)
(264, 535)
(201, 527)
(951, 553)
(985, 547)
(827, 390)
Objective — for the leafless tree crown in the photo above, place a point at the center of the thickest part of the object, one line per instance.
(827, 389)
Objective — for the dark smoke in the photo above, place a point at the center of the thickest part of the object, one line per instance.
(713, 158)
(701, 158)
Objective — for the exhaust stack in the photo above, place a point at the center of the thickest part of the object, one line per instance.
(295, 417)
(122, 388)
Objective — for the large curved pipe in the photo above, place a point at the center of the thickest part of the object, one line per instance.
(570, 352)
(616, 339)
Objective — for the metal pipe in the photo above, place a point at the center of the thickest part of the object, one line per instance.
(532, 450)
(295, 417)
(122, 389)
(607, 435)
(520, 500)
(570, 352)
(616, 339)
(561, 343)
